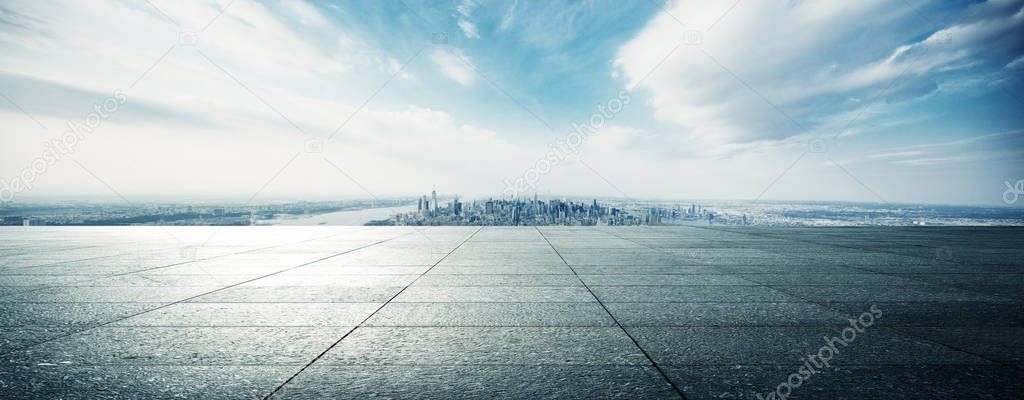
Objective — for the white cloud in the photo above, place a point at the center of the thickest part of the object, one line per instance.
(305, 13)
(993, 146)
(466, 7)
(696, 88)
(753, 78)
(396, 67)
(1016, 63)
(455, 65)
(907, 153)
(469, 29)
(510, 15)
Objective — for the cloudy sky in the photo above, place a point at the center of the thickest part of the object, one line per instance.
(884, 101)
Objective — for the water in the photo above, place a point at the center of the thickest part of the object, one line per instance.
(348, 217)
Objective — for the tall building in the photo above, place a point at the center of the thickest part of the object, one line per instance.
(433, 199)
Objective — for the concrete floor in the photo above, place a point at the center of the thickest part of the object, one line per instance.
(462, 312)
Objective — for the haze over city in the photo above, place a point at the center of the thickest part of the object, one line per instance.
(877, 101)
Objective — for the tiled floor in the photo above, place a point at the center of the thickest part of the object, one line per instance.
(464, 312)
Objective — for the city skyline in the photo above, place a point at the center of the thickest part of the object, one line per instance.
(526, 211)
(913, 102)
(452, 210)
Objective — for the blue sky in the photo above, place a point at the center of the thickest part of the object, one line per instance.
(885, 101)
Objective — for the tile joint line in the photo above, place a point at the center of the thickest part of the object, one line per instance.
(361, 323)
(630, 336)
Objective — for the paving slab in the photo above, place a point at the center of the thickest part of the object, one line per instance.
(491, 314)
(300, 294)
(494, 294)
(479, 382)
(436, 279)
(486, 345)
(691, 294)
(68, 314)
(116, 345)
(724, 314)
(849, 382)
(145, 382)
(789, 345)
(942, 313)
(254, 314)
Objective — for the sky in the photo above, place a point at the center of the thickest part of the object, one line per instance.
(910, 101)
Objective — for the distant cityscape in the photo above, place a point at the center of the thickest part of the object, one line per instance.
(536, 212)
(434, 209)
